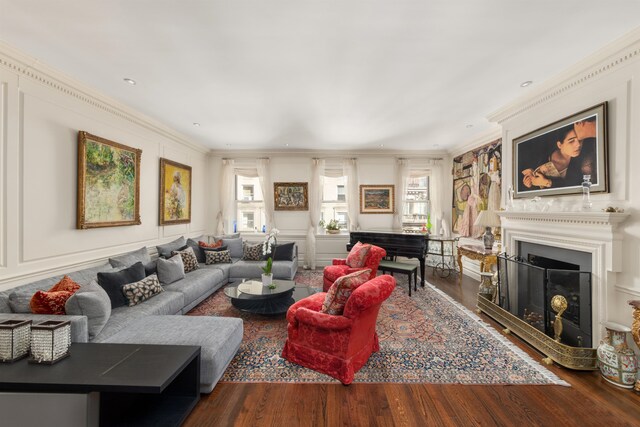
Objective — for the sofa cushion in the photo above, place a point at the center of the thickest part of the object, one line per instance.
(189, 259)
(252, 251)
(19, 301)
(217, 257)
(164, 251)
(210, 245)
(197, 250)
(283, 252)
(341, 290)
(170, 270)
(49, 302)
(197, 285)
(112, 282)
(93, 302)
(358, 255)
(235, 247)
(130, 258)
(151, 267)
(142, 290)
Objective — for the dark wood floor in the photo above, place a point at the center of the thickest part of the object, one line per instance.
(590, 401)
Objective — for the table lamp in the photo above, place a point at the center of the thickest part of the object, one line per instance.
(488, 219)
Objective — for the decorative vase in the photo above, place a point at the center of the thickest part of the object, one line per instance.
(617, 362)
(267, 279)
(333, 231)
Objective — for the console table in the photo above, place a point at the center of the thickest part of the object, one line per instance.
(487, 257)
(104, 384)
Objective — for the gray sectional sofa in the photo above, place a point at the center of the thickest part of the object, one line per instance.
(157, 320)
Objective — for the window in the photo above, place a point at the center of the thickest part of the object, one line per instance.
(416, 203)
(334, 201)
(250, 204)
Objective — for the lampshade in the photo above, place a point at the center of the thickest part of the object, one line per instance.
(487, 218)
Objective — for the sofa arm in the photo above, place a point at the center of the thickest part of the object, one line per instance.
(320, 320)
(338, 261)
(79, 324)
(312, 302)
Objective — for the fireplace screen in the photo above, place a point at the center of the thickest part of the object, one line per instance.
(527, 286)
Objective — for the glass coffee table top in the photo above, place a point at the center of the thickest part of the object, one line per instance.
(251, 296)
(253, 289)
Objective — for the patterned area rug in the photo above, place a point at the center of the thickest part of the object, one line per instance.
(426, 338)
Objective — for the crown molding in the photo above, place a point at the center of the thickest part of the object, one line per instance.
(330, 153)
(610, 58)
(478, 141)
(31, 68)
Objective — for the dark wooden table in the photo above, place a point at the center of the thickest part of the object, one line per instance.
(267, 301)
(137, 385)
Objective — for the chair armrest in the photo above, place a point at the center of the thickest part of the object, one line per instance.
(338, 261)
(312, 302)
(323, 320)
(354, 269)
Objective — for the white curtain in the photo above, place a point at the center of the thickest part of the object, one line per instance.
(402, 173)
(350, 170)
(315, 206)
(225, 196)
(437, 196)
(264, 176)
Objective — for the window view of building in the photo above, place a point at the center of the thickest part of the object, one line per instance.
(250, 204)
(334, 202)
(416, 204)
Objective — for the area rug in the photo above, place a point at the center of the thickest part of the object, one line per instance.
(426, 338)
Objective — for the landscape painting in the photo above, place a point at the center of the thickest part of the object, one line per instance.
(376, 199)
(108, 183)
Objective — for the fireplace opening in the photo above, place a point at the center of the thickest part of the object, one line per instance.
(528, 282)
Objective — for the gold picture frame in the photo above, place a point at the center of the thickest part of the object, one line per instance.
(175, 193)
(377, 199)
(290, 196)
(108, 192)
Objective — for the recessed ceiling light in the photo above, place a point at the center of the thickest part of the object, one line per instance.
(196, 124)
(527, 83)
(469, 126)
(286, 145)
(130, 81)
(381, 145)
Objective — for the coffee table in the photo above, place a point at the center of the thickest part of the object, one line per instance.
(252, 297)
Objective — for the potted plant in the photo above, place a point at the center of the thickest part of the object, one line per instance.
(269, 248)
(332, 226)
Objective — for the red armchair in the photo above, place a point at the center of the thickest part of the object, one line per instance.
(337, 345)
(340, 268)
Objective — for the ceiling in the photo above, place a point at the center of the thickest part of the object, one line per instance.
(331, 74)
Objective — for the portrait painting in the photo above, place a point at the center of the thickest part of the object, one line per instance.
(376, 199)
(291, 196)
(108, 183)
(175, 192)
(558, 158)
(461, 193)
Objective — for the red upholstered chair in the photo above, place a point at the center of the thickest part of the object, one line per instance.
(337, 345)
(340, 268)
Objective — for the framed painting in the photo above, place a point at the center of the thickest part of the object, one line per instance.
(461, 193)
(291, 196)
(556, 159)
(377, 199)
(175, 192)
(108, 183)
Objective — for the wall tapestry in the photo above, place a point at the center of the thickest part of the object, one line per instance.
(291, 196)
(175, 192)
(108, 183)
(476, 186)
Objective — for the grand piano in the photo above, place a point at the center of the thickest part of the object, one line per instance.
(396, 244)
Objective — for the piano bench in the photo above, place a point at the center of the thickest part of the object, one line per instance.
(401, 267)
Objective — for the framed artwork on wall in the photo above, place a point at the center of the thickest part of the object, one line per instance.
(461, 193)
(555, 159)
(291, 196)
(175, 192)
(377, 199)
(108, 183)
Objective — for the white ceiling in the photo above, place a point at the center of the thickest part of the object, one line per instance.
(330, 74)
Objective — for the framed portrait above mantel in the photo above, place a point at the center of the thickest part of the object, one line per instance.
(291, 196)
(108, 183)
(175, 192)
(556, 159)
(377, 199)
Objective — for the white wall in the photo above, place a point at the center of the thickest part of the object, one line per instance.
(611, 75)
(41, 113)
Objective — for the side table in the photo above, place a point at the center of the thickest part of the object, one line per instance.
(487, 257)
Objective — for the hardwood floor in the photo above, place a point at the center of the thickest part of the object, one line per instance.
(590, 401)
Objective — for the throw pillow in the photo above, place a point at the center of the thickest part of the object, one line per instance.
(235, 247)
(341, 290)
(164, 251)
(219, 248)
(19, 301)
(358, 255)
(218, 257)
(151, 267)
(283, 252)
(252, 251)
(142, 290)
(189, 260)
(65, 284)
(170, 270)
(93, 302)
(49, 302)
(112, 282)
(130, 258)
(213, 245)
(197, 250)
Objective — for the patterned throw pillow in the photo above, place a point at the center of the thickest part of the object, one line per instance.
(53, 300)
(210, 245)
(188, 259)
(143, 290)
(341, 290)
(218, 257)
(252, 252)
(358, 255)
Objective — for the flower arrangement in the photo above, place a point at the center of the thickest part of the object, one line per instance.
(332, 226)
(269, 248)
